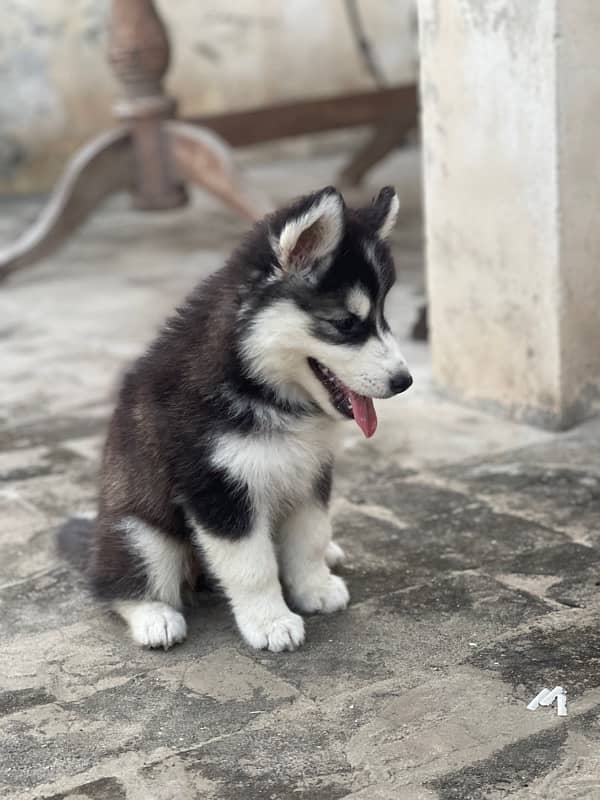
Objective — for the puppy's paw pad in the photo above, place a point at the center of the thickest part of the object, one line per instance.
(334, 555)
(281, 633)
(158, 625)
(324, 597)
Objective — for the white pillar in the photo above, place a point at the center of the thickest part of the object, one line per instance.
(511, 140)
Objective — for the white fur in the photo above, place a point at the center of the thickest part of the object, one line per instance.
(164, 559)
(392, 215)
(383, 351)
(279, 342)
(329, 214)
(334, 555)
(358, 302)
(152, 624)
(247, 570)
(304, 539)
(279, 470)
(371, 255)
(277, 345)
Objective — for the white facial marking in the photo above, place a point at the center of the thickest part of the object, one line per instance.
(374, 365)
(280, 341)
(276, 349)
(358, 302)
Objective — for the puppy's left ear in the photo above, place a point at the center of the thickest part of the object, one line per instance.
(381, 215)
(313, 230)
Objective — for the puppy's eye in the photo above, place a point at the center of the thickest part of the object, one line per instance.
(347, 324)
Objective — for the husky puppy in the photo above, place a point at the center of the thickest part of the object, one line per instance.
(220, 451)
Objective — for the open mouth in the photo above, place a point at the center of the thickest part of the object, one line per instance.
(350, 404)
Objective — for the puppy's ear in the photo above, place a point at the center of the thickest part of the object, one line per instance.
(381, 215)
(312, 230)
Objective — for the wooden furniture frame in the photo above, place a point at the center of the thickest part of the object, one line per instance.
(154, 156)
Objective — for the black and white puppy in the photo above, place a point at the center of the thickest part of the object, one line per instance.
(220, 450)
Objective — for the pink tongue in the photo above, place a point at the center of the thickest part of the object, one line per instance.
(364, 413)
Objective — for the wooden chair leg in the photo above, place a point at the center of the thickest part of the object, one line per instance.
(103, 166)
(202, 158)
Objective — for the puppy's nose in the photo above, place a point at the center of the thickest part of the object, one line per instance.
(400, 381)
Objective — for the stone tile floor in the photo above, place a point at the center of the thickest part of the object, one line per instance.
(474, 567)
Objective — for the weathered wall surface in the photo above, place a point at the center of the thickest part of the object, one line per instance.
(57, 89)
(578, 57)
(511, 126)
(491, 200)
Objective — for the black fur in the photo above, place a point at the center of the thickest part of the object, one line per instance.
(324, 484)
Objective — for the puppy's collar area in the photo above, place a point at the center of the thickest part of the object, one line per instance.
(250, 401)
(250, 398)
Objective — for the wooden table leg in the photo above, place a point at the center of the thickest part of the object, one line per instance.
(202, 158)
(151, 157)
(139, 53)
(103, 166)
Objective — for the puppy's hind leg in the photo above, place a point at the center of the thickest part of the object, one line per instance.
(153, 566)
(152, 624)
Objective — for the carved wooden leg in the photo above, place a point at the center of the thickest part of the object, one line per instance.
(152, 158)
(139, 53)
(202, 158)
(103, 166)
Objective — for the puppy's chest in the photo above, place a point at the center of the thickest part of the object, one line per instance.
(280, 469)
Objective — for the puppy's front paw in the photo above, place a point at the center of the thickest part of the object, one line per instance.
(323, 596)
(285, 632)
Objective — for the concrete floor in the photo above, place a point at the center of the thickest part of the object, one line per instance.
(474, 568)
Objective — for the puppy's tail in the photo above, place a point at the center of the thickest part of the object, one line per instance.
(74, 540)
